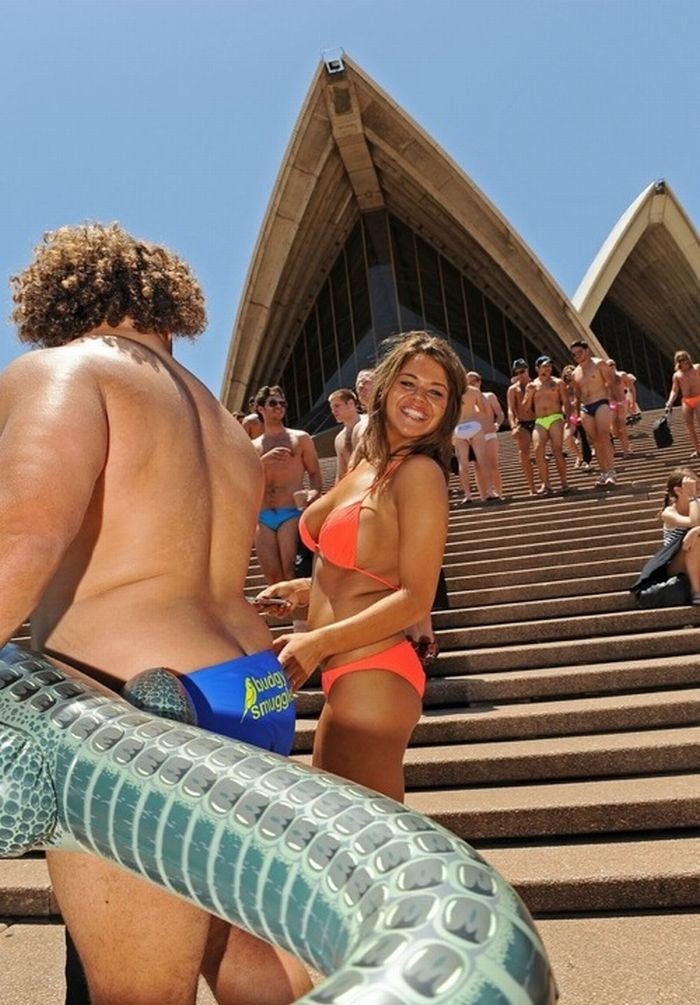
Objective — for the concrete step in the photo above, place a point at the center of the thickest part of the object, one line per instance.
(676, 642)
(625, 676)
(631, 543)
(476, 562)
(554, 628)
(497, 594)
(466, 576)
(652, 751)
(25, 888)
(470, 616)
(587, 972)
(535, 536)
(565, 808)
(602, 755)
(582, 874)
(628, 873)
(528, 720)
(643, 504)
(565, 681)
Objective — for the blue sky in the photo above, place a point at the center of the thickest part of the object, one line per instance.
(172, 116)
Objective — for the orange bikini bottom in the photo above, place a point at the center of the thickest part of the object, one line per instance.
(400, 659)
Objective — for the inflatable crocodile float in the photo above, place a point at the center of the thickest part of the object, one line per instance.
(393, 908)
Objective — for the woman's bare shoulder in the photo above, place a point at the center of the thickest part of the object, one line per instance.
(419, 470)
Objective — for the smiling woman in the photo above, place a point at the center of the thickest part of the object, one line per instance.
(378, 550)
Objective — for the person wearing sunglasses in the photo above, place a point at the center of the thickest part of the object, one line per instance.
(288, 457)
(521, 418)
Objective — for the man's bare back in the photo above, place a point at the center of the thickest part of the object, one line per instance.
(159, 472)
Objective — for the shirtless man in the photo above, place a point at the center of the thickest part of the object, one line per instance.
(490, 416)
(592, 392)
(286, 455)
(686, 383)
(252, 423)
(364, 382)
(619, 382)
(521, 419)
(574, 434)
(128, 504)
(474, 421)
(343, 405)
(548, 397)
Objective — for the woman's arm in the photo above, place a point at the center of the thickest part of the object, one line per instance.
(420, 495)
(688, 491)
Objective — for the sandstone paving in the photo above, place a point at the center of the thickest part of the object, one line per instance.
(638, 959)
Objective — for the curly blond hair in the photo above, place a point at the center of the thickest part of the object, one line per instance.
(84, 276)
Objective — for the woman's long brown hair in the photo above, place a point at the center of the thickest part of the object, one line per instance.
(374, 446)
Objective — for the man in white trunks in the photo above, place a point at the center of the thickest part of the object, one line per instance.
(491, 421)
(475, 419)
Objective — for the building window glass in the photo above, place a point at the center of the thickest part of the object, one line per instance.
(406, 269)
(381, 275)
(431, 288)
(474, 301)
(387, 279)
(635, 352)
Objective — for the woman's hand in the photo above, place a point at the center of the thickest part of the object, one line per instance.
(299, 655)
(293, 592)
(691, 538)
(690, 485)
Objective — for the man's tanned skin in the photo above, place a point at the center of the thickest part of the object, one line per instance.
(128, 504)
(592, 392)
(548, 397)
(686, 384)
(518, 413)
(286, 455)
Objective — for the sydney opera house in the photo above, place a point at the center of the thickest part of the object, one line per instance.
(372, 229)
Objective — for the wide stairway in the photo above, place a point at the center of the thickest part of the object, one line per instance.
(560, 736)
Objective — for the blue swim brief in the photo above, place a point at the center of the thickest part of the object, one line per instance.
(246, 699)
(274, 518)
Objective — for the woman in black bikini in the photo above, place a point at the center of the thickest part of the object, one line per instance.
(379, 537)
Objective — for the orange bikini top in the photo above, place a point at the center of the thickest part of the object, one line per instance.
(337, 538)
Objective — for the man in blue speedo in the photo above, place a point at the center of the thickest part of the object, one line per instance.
(287, 455)
(127, 517)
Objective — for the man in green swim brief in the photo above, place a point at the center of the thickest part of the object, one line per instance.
(548, 397)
